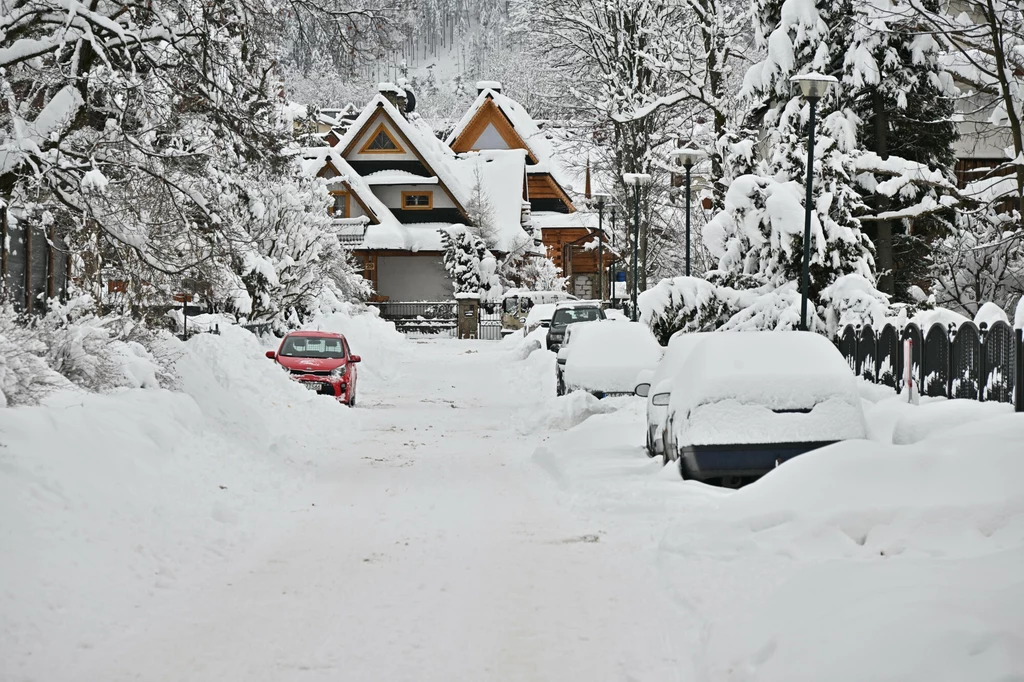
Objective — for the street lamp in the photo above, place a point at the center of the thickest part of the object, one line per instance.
(687, 157)
(635, 179)
(599, 201)
(813, 86)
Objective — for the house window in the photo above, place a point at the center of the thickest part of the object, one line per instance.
(381, 142)
(340, 207)
(417, 201)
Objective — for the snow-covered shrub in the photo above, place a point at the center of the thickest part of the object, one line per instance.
(463, 252)
(852, 299)
(73, 347)
(687, 304)
(775, 310)
(25, 378)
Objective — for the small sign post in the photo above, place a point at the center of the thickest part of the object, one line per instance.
(183, 299)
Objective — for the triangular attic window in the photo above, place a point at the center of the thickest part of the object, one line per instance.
(490, 138)
(381, 142)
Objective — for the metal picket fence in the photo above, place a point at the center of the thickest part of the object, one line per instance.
(977, 363)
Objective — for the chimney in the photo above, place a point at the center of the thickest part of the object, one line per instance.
(487, 85)
(390, 92)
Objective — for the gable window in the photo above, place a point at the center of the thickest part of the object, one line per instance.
(417, 201)
(340, 207)
(381, 142)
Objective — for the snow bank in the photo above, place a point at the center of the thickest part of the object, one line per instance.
(105, 499)
(931, 419)
(904, 562)
(565, 412)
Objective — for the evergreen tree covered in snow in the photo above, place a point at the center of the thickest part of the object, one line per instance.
(901, 91)
(464, 253)
(760, 232)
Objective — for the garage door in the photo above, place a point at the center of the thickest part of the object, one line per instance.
(413, 278)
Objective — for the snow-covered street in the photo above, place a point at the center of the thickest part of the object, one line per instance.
(462, 523)
(431, 546)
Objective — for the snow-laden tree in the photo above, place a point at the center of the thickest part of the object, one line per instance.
(760, 233)
(470, 266)
(982, 260)
(982, 45)
(294, 265)
(142, 130)
(895, 81)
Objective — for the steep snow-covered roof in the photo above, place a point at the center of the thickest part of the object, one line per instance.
(435, 155)
(500, 174)
(541, 143)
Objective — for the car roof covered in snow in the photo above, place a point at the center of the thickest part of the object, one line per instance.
(607, 355)
(778, 369)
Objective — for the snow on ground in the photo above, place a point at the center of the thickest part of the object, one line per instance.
(466, 524)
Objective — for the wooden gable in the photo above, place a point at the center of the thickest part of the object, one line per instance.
(376, 122)
(329, 171)
(543, 186)
(490, 119)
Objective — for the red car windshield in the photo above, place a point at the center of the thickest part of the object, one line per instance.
(312, 347)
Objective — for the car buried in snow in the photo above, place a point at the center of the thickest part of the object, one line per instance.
(571, 312)
(743, 403)
(657, 387)
(604, 357)
(518, 305)
(321, 361)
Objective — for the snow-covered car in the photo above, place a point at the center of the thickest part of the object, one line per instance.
(604, 357)
(657, 387)
(571, 312)
(320, 361)
(539, 316)
(517, 304)
(742, 403)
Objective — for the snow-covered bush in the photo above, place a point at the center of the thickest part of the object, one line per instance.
(775, 309)
(852, 299)
(74, 347)
(687, 304)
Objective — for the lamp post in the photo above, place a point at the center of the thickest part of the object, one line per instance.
(636, 180)
(688, 157)
(599, 202)
(813, 86)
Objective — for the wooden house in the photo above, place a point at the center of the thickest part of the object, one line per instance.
(396, 185)
(498, 122)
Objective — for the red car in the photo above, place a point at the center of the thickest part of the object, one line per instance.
(322, 361)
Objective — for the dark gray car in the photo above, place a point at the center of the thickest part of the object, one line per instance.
(570, 313)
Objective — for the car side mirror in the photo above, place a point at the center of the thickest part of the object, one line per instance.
(545, 323)
(661, 399)
(271, 354)
(642, 390)
(354, 358)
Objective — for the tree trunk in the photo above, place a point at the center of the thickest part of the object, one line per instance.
(883, 238)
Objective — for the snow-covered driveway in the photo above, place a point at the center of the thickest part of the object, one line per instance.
(432, 547)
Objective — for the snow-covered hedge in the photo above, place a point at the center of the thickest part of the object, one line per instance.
(73, 347)
(687, 304)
